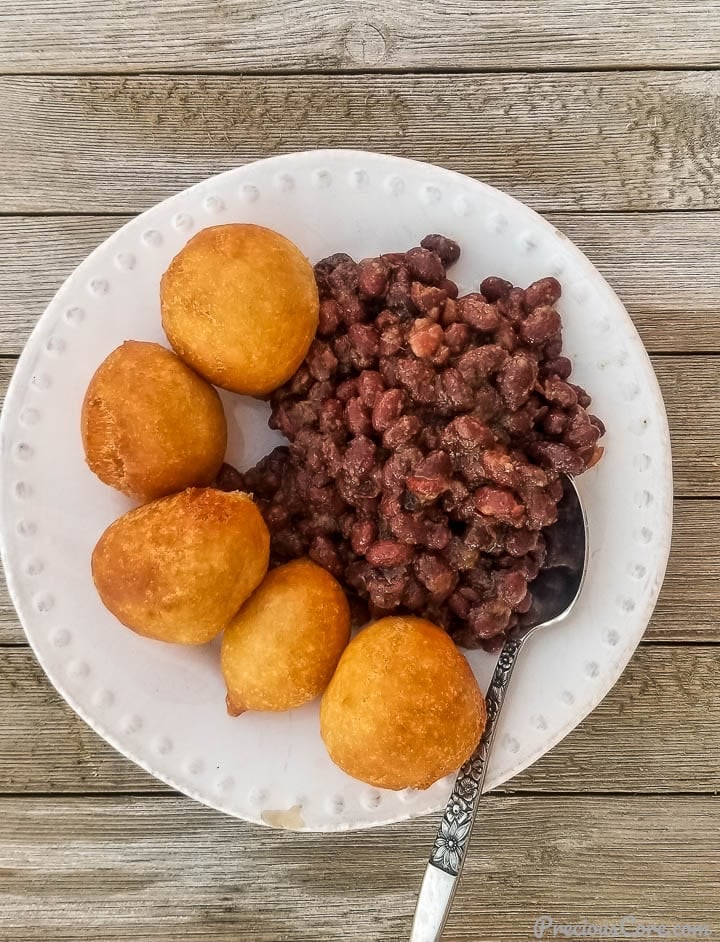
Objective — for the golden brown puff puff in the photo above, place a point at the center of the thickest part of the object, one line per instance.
(403, 708)
(150, 425)
(282, 647)
(239, 304)
(179, 568)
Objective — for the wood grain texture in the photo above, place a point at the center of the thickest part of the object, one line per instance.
(140, 869)
(663, 266)
(582, 141)
(300, 35)
(631, 742)
(621, 817)
(691, 392)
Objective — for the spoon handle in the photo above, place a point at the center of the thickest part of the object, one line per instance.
(442, 873)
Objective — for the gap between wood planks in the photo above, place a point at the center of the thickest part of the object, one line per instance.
(364, 72)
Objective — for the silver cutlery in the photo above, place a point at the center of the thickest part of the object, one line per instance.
(555, 592)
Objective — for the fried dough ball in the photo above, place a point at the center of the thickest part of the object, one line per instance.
(150, 425)
(179, 568)
(240, 305)
(282, 647)
(403, 708)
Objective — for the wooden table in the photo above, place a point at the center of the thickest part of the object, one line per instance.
(604, 117)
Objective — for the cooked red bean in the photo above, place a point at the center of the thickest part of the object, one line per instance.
(582, 397)
(406, 527)
(512, 306)
(499, 467)
(489, 619)
(431, 477)
(359, 457)
(540, 325)
(435, 534)
(426, 437)
(501, 504)
(557, 457)
(542, 292)
(505, 335)
(511, 587)
(373, 274)
(369, 385)
(560, 393)
(347, 389)
(517, 379)
(477, 313)
(321, 361)
(453, 392)
(357, 417)
(447, 251)
(386, 554)
(495, 288)
(388, 407)
(435, 574)
(418, 378)
(479, 363)
(398, 296)
(329, 317)
(362, 535)
(401, 431)
(343, 279)
(391, 340)
(553, 348)
(425, 266)
(364, 339)
(450, 288)
(457, 337)
(555, 422)
(560, 366)
(582, 436)
(330, 416)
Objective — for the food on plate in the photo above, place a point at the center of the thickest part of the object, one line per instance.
(240, 305)
(150, 425)
(282, 647)
(403, 708)
(427, 435)
(179, 568)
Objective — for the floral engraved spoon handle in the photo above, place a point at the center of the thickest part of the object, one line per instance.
(442, 874)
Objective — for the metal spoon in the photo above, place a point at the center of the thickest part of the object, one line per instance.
(555, 592)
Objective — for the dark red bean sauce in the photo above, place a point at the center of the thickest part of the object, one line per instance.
(426, 433)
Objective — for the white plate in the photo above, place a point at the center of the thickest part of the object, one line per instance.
(163, 706)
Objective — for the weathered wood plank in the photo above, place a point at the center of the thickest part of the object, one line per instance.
(689, 602)
(691, 392)
(631, 742)
(633, 141)
(663, 266)
(140, 869)
(297, 35)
